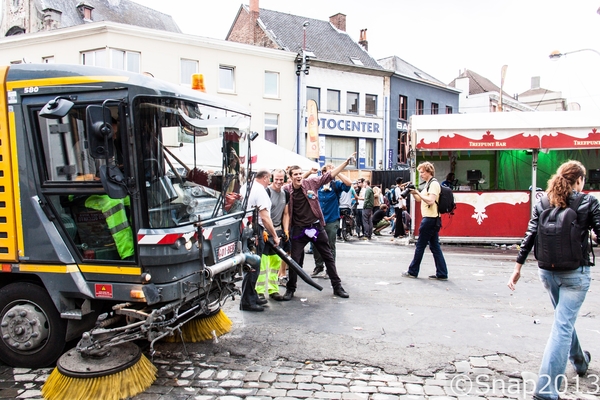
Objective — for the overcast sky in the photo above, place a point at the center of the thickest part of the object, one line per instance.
(442, 37)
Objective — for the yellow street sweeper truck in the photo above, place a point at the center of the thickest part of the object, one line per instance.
(106, 236)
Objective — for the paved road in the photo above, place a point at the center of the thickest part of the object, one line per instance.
(393, 338)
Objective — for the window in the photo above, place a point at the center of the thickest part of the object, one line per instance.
(271, 84)
(97, 58)
(125, 60)
(403, 147)
(338, 148)
(448, 109)
(188, 68)
(371, 104)
(352, 102)
(48, 60)
(403, 107)
(420, 105)
(69, 145)
(226, 79)
(333, 100)
(118, 59)
(435, 108)
(271, 125)
(313, 93)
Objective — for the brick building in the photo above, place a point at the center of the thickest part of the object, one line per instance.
(344, 80)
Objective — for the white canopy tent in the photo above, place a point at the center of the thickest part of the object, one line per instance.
(264, 155)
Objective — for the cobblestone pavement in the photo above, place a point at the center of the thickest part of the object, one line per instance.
(225, 377)
(462, 339)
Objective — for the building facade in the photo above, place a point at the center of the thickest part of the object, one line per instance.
(412, 92)
(346, 83)
(30, 16)
(480, 95)
(541, 99)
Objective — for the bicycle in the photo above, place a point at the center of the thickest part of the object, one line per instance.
(347, 223)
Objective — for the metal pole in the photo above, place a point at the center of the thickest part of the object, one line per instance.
(298, 117)
(384, 156)
(534, 162)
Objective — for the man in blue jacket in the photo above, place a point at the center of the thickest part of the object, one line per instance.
(329, 200)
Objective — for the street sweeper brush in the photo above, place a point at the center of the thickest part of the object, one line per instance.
(123, 372)
(203, 328)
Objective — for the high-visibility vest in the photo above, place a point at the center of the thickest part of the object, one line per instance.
(116, 219)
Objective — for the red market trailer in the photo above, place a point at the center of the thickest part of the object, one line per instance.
(501, 161)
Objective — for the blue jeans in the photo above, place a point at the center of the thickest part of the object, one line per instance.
(428, 235)
(567, 290)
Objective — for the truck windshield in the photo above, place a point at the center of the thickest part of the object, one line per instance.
(194, 160)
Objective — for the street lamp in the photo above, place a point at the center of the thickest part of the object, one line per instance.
(301, 90)
(555, 55)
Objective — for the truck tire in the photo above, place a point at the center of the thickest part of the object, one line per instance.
(32, 334)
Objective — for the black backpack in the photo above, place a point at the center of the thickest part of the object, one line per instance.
(393, 198)
(559, 242)
(445, 203)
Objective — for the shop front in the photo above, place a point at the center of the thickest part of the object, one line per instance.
(500, 162)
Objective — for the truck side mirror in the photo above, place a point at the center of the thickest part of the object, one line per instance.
(56, 108)
(99, 131)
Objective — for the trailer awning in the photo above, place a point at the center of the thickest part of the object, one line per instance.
(506, 131)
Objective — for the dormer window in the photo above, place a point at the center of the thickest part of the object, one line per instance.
(85, 10)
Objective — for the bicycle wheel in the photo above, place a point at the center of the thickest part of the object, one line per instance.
(345, 229)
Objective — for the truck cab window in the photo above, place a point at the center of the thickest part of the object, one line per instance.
(66, 150)
(184, 185)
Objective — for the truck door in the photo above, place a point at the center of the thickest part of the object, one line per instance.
(69, 162)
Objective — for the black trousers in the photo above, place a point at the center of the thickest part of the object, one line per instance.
(299, 241)
(249, 296)
(399, 227)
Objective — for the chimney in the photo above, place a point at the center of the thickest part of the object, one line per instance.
(254, 10)
(85, 10)
(535, 82)
(52, 19)
(339, 21)
(254, 14)
(363, 39)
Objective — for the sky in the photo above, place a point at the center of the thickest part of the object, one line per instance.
(442, 37)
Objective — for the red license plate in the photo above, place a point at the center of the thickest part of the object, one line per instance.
(225, 251)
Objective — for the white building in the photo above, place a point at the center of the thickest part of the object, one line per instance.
(480, 95)
(259, 78)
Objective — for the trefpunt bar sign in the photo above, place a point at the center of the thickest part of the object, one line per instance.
(506, 131)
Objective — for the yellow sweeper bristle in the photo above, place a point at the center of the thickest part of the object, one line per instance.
(121, 385)
(202, 328)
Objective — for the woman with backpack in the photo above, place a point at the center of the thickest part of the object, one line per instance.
(564, 274)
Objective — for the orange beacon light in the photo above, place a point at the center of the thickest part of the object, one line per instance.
(198, 82)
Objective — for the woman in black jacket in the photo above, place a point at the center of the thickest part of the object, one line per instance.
(567, 287)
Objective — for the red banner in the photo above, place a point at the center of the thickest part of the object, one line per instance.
(487, 141)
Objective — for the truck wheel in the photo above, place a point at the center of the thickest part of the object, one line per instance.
(31, 331)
